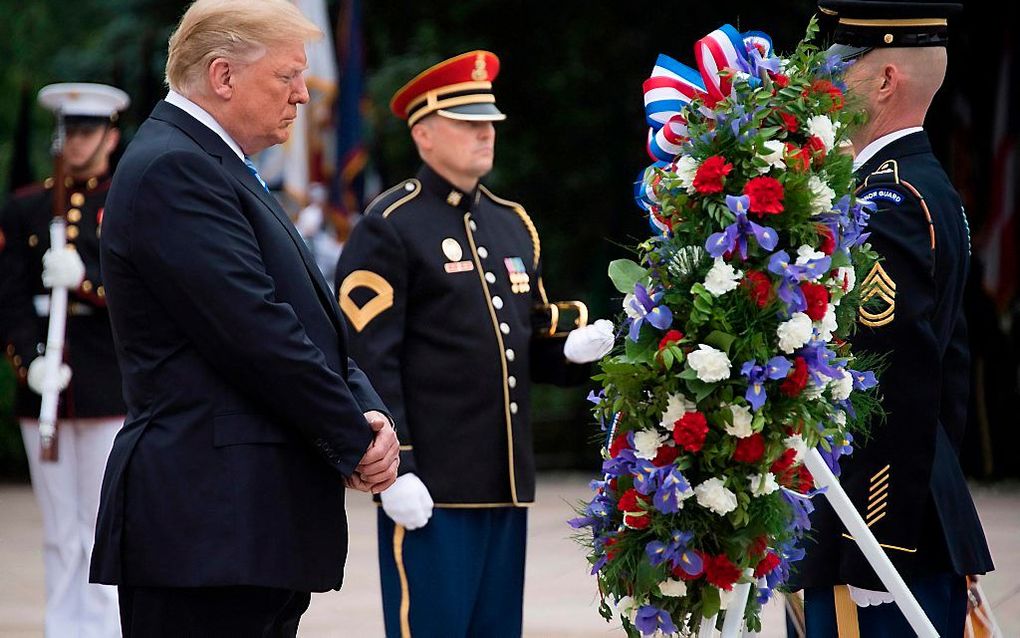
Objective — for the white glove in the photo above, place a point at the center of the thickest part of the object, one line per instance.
(589, 343)
(408, 502)
(868, 597)
(62, 268)
(37, 375)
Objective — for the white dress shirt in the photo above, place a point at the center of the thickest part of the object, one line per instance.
(872, 149)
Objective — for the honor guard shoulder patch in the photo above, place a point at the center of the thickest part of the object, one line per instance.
(882, 195)
(878, 298)
(382, 299)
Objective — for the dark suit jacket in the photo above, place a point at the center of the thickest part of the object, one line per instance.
(906, 479)
(244, 411)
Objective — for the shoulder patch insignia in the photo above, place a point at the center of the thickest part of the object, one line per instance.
(879, 194)
(877, 285)
(361, 316)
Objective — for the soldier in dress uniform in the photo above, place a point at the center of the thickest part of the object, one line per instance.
(441, 283)
(905, 479)
(91, 408)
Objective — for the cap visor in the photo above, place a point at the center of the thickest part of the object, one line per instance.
(480, 112)
(845, 52)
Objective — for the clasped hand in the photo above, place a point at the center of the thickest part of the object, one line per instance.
(378, 468)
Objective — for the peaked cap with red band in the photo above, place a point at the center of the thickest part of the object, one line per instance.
(459, 88)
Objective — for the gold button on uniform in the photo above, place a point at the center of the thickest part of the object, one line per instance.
(86, 286)
(74, 215)
(33, 241)
(888, 38)
(101, 291)
(72, 232)
(77, 199)
(92, 183)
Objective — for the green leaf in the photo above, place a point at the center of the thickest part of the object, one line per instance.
(648, 577)
(699, 388)
(719, 340)
(667, 358)
(709, 602)
(625, 274)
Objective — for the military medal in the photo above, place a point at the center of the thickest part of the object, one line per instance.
(454, 253)
(520, 281)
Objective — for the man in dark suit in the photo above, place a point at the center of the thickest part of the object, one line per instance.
(223, 501)
(906, 478)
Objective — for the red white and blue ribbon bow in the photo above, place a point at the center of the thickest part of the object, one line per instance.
(673, 85)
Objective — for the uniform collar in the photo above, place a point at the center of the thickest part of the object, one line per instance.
(875, 147)
(447, 192)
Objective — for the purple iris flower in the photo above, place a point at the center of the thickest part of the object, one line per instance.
(648, 477)
(736, 234)
(820, 360)
(801, 507)
(756, 62)
(650, 619)
(676, 551)
(757, 375)
(670, 494)
(646, 305)
(791, 274)
(836, 452)
(863, 380)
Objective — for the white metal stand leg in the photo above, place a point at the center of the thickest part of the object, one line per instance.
(707, 627)
(844, 507)
(733, 621)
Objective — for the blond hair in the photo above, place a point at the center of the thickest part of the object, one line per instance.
(238, 30)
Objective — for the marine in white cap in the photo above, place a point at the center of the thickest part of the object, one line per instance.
(91, 408)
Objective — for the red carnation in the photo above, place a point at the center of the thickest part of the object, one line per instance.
(759, 286)
(709, 177)
(721, 572)
(689, 431)
(815, 148)
(783, 464)
(796, 159)
(780, 80)
(790, 123)
(670, 338)
(766, 194)
(830, 90)
(611, 551)
(750, 449)
(634, 515)
(766, 565)
(666, 455)
(799, 479)
(817, 297)
(758, 547)
(796, 380)
(620, 444)
(828, 245)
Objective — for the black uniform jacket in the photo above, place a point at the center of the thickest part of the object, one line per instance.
(906, 479)
(244, 411)
(444, 292)
(95, 388)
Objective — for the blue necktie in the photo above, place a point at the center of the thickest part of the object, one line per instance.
(254, 171)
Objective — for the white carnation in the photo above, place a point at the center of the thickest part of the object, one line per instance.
(796, 443)
(842, 387)
(646, 443)
(628, 607)
(794, 332)
(713, 495)
(821, 127)
(742, 417)
(763, 484)
(673, 588)
(839, 418)
(821, 195)
(710, 364)
(629, 301)
(773, 156)
(685, 168)
(806, 253)
(828, 324)
(845, 274)
(813, 391)
(677, 406)
(722, 278)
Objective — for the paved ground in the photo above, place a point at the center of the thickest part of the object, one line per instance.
(559, 600)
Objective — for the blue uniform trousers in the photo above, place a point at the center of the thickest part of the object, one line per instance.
(943, 598)
(460, 576)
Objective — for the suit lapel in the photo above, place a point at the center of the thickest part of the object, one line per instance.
(214, 145)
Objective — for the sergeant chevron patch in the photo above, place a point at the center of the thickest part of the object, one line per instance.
(361, 316)
(877, 285)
